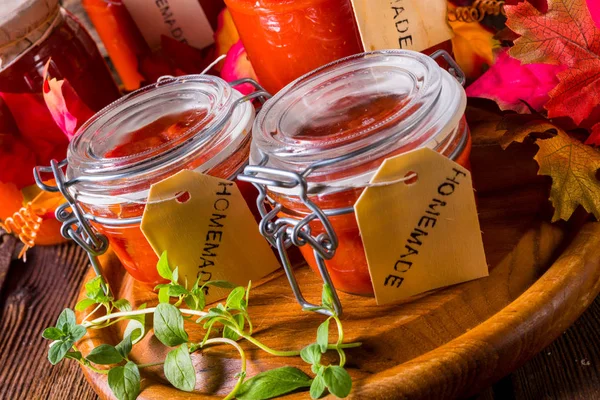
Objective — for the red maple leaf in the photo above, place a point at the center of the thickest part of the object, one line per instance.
(565, 35)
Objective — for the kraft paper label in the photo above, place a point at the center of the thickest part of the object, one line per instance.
(182, 20)
(208, 231)
(424, 234)
(402, 24)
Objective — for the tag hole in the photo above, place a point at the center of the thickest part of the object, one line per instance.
(183, 197)
(412, 178)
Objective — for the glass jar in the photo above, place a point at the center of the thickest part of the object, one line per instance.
(121, 37)
(195, 122)
(36, 31)
(286, 39)
(336, 125)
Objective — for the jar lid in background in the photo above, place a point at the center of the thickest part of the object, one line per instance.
(23, 23)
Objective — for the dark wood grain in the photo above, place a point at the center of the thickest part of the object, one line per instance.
(33, 295)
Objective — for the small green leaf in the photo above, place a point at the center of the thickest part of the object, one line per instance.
(220, 284)
(317, 387)
(195, 300)
(311, 354)
(163, 295)
(273, 383)
(338, 381)
(327, 297)
(163, 267)
(136, 327)
(66, 320)
(323, 335)
(122, 305)
(175, 275)
(179, 369)
(168, 325)
(58, 350)
(105, 354)
(77, 332)
(85, 303)
(229, 333)
(93, 290)
(125, 381)
(177, 290)
(52, 333)
(124, 347)
(74, 355)
(235, 298)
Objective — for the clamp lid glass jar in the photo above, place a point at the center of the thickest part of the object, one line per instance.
(335, 126)
(195, 122)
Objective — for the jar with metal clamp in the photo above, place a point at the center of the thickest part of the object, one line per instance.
(196, 122)
(320, 140)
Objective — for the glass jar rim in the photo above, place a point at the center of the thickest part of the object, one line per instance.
(427, 104)
(219, 133)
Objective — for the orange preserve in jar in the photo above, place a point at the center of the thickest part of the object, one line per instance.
(336, 125)
(288, 38)
(195, 122)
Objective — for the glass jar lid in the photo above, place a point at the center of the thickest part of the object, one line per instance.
(153, 132)
(353, 113)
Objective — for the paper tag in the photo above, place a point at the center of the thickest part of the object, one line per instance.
(402, 24)
(420, 235)
(182, 20)
(210, 234)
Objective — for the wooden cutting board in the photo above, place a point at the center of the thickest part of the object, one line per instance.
(449, 343)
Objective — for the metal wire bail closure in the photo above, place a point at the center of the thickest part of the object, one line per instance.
(284, 232)
(75, 222)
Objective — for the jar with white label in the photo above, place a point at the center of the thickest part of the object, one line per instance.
(319, 141)
(194, 122)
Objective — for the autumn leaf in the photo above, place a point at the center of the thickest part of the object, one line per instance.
(572, 167)
(472, 46)
(238, 66)
(564, 35)
(528, 83)
(594, 138)
(520, 133)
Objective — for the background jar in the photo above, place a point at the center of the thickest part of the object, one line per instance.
(195, 122)
(286, 39)
(340, 122)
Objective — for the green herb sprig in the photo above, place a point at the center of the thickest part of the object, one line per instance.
(169, 318)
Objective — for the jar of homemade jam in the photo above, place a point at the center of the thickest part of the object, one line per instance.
(33, 32)
(195, 122)
(286, 39)
(319, 141)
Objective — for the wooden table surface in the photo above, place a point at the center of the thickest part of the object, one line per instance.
(32, 294)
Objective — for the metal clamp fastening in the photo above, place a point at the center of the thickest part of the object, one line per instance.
(284, 232)
(454, 69)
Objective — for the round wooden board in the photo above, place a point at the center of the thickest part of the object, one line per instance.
(450, 343)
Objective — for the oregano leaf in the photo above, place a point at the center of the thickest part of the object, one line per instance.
(168, 325)
(338, 381)
(273, 383)
(85, 303)
(77, 332)
(235, 298)
(179, 369)
(105, 354)
(125, 346)
(163, 295)
(317, 387)
(66, 320)
(163, 268)
(311, 353)
(58, 350)
(122, 305)
(323, 335)
(125, 381)
(136, 327)
(52, 333)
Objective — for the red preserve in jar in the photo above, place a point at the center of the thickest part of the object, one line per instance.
(288, 38)
(195, 122)
(35, 31)
(340, 122)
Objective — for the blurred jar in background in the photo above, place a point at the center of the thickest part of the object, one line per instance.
(286, 39)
